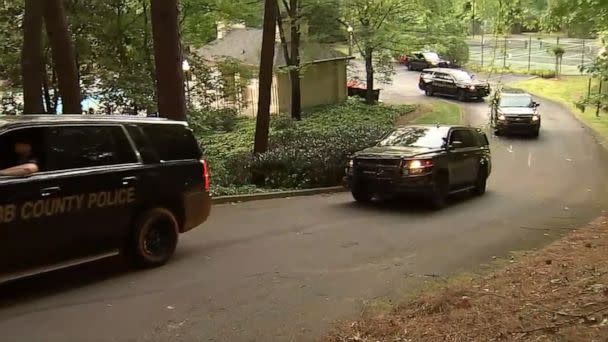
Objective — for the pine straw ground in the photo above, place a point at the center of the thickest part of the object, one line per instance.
(559, 293)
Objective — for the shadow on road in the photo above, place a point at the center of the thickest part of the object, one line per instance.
(409, 205)
(70, 279)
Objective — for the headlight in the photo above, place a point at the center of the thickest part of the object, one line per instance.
(472, 87)
(535, 117)
(351, 163)
(417, 164)
(502, 117)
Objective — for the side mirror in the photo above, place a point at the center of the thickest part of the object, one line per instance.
(535, 104)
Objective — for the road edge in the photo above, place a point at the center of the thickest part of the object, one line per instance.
(277, 195)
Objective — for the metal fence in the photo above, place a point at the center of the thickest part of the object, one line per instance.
(532, 52)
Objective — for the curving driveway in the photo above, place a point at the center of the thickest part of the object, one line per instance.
(284, 270)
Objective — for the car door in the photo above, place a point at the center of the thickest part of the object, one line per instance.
(472, 155)
(97, 167)
(448, 84)
(27, 243)
(458, 157)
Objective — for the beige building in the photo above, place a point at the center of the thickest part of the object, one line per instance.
(323, 78)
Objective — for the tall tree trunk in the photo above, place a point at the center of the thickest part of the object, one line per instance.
(369, 71)
(148, 52)
(265, 84)
(294, 75)
(168, 60)
(63, 56)
(31, 58)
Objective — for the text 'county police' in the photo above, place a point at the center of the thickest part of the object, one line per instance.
(64, 205)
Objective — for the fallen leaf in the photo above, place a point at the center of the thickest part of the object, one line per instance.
(170, 307)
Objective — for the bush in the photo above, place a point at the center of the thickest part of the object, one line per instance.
(544, 73)
(212, 120)
(308, 159)
(302, 154)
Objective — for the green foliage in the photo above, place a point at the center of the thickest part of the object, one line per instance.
(209, 120)
(302, 154)
(322, 19)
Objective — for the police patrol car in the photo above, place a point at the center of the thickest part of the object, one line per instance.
(75, 189)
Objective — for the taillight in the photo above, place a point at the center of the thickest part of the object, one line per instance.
(205, 174)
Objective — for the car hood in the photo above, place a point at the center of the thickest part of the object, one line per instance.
(517, 110)
(394, 152)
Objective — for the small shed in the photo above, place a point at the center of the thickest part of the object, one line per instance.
(324, 73)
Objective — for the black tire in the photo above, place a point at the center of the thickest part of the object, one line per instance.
(429, 90)
(481, 182)
(461, 96)
(440, 192)
(361, 193)
(536, 133)
(154, 238)
(497, 132)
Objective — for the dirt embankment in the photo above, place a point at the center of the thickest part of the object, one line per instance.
(559, 293)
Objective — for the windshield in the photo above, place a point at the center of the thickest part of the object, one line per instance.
(461, 75)
(516, 101)
(426, 137)
(431, 56)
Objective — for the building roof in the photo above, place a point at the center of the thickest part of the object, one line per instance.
(245, 46)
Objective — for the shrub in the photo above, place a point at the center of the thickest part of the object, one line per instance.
(544, 73)
(304, 159)
(212, 120)
(302, 154)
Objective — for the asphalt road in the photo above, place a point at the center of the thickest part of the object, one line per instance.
(284, 270)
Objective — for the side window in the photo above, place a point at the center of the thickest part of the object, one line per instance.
(172, 142)
(144, 146)
(13, 155)
(75, 147)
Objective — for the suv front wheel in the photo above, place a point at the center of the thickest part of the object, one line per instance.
(154, 238)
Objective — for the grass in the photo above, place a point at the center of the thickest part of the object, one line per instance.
(442, 112)
(568, 90)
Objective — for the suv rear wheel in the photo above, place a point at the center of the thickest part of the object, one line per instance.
(481, 182)
(154, 238)
(429, 90)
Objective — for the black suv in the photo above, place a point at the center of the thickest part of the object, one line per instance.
(419, 61)
(432, 161)
(515, 111)
(96, 186)
(452, 82)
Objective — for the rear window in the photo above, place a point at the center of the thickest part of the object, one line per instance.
(172, 142)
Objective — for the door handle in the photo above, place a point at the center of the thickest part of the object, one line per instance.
(129, 180)
(46, 192)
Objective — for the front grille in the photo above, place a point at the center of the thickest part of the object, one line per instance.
(519, 119)
(378, 168)
(378, 162)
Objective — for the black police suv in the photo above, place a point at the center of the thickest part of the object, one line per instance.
(93, 187)
(515, 111)
(419, 61)
(452, 82)
(423, 160)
